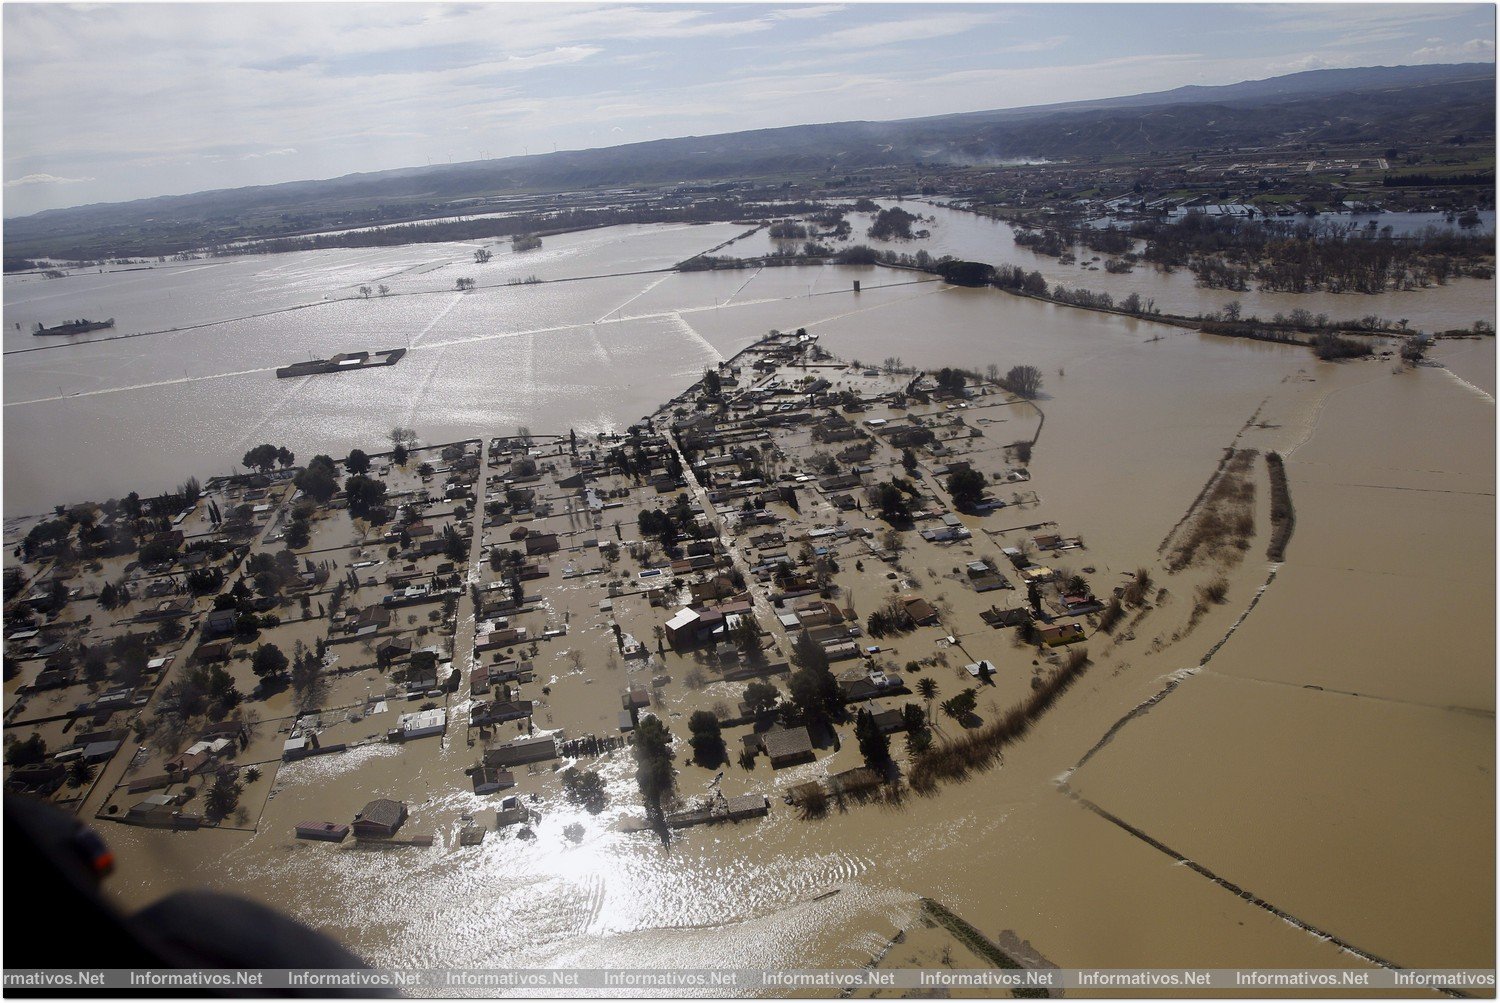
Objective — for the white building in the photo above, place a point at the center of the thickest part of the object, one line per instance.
(422, 723)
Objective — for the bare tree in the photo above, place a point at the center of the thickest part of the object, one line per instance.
(1023, 381)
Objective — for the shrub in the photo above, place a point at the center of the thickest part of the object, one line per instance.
(1329, 347)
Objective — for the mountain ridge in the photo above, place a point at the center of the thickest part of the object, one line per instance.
(1310, 105)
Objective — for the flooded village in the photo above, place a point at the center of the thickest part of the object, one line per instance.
(1021, 506)
(530, 599)
(677, 593)
(850, 591)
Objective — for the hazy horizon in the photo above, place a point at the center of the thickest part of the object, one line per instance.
(130, 101)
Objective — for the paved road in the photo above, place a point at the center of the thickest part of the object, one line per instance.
(463, 636)
(764, 611)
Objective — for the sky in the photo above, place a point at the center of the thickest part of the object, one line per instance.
(111, 102)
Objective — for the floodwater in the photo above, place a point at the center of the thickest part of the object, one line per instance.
(981, 238)
(1358, 701)
(1362, 807)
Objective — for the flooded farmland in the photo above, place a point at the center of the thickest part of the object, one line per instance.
(1305, 761)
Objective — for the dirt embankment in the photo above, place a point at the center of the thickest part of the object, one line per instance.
(979, 749)
(1220, 528)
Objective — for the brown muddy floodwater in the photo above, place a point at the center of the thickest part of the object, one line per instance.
(1333, 757)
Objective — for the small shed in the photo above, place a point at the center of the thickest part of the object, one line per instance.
(328, 832)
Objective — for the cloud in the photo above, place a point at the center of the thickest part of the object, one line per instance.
(1036, 45)
(882, 33)
(45, 179)
(232, 94)
(806, 13)
(1475, 50)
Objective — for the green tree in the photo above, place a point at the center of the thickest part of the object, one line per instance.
(814, 690)
(585, 788)
(455, 547)
(25, 752)
(961, 705)
(747, 634)
(365, 494)
(269, 663)
(357, 462)
(890, 500)
(262, 458)
(918, 735)
(222, 798)
(966, 486)
(79, 772)
(874, 745)
(951, 380)
(762, 697)
(653, 759)
(95, 666)
(297, 534)
(318, 479)
(927, 688)
(707, 740)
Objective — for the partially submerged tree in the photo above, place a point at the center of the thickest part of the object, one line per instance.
(269, 663)
(966, 486)
(222, 798)
(707, 739)
(358, 462)
(1023, 381)
(874, 746)
(761, 697)
(653, 758)
(814, 690)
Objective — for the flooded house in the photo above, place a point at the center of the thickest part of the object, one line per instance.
(787, 746)
(299, 746)
(499, 712)
(490, 779)
(36, 778)
(379, 819)
(1054, 634)
(920, 610)
(420, 724)
(983, 576)
(160, 811)
(521, 751)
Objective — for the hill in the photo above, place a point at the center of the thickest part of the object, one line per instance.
(1379, 106)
